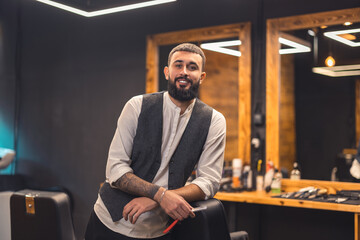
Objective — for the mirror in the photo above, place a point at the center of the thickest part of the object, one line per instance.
(312, 111)
(227, 87)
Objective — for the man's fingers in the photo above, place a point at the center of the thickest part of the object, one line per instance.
(180, 213)
(184, 212)
(136, 207)
(129, 211)
(131, 215)
(176, 216)
(176, 206)
(192, 214)
(126, 211)
(135, 217)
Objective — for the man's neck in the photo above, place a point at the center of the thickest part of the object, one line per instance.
(183, 105)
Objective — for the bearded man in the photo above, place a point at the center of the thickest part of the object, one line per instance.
(160, 139)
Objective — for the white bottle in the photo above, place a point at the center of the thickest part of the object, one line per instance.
(236, 172)
(259, 183)
(295, 173)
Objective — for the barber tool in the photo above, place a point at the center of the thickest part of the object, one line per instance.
(197, 209)
(318, 193)
(287, 195)
(309, 193)
(313, 194)
(349, 194)
(302, 191)
(341, 199)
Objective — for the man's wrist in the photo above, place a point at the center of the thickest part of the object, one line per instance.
(159, 194)
(162, 195)
(153, 190)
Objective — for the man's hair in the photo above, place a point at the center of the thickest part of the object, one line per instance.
(188, 47)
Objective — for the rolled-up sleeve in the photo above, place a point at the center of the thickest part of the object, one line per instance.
(210, 165)
(119, 161)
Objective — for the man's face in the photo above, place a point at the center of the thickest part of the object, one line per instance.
(184, 74)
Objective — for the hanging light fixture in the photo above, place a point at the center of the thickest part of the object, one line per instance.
(342, 36)
(295, 44)
(338, 71)
(330, 61)
(335, 65)
(221, 47)
(104, 11)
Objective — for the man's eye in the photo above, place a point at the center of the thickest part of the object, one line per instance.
(193, 68)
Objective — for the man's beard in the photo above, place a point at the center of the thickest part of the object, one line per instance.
(183, 94)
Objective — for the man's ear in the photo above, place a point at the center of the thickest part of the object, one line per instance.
(202, 77)
(166, 72)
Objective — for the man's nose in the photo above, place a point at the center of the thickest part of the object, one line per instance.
(184, 71)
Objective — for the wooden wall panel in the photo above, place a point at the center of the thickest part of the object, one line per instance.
(152, 63)
(319, 19)
(200, 34)
(244, 99)
(220, 90)
(272, 92)
(287, 141)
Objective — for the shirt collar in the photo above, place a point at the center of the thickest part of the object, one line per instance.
(172, 105)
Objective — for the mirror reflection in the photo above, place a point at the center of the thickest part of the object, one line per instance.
(319, 73)
(226, 87)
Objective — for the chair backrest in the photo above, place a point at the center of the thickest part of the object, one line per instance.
(209, 224)
(37, 215)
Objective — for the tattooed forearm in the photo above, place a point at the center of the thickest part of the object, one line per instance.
(132, 184)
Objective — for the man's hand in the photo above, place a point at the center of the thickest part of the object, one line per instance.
(136, 207)
(174, 205)
(173, 202)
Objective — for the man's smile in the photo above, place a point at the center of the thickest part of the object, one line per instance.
(183, 82)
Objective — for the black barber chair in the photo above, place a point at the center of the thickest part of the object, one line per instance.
(40, 215)
(209, 224)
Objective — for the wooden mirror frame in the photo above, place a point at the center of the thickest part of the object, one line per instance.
(273, 81)
(239, 30)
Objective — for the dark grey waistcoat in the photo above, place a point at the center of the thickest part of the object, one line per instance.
(146, 153)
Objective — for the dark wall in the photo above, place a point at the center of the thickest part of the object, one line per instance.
(8, 32)
(75, 74)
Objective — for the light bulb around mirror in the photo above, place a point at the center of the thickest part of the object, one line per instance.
(330, 61)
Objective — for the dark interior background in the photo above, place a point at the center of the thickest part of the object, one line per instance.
(324, 106)
(65, 78)
(325, 119)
